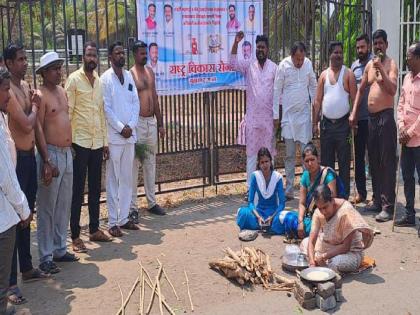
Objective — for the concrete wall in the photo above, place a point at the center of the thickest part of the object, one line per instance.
(386, 15)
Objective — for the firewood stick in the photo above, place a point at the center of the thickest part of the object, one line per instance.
(232, 254)
(122, 300)
(170, 283)
(397, 187)
(188, 290)
(255, 253)
(149, 308)
(281, 289)
(158, 288)
(145, 272)
(159, 294)
(124, 304)
(251, 253)
(261, 251)
(267, 258)
(223, 264)
(149, 283)
(163, 299)
(141, 303)
(282, 279)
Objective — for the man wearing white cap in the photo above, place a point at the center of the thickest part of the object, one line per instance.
(55, 162)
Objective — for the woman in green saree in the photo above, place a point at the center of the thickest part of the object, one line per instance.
(313, 175)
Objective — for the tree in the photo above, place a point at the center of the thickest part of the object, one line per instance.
(315, 22)
(45, 22)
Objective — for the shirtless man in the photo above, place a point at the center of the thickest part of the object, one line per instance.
(22, 111)
(54, 138)
(150, 122)
(380, 75)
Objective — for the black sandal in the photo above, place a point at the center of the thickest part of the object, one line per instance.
(67, 257)
(130, 226)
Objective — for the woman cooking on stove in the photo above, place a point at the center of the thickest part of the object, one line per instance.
(339, 234)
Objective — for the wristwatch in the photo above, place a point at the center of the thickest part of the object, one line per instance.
(48, 161)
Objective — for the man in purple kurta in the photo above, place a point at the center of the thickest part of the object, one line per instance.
(258, 121)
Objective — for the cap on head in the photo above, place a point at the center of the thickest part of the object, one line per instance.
(47, 60)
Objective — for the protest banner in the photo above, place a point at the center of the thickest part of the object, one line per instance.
(189, 42)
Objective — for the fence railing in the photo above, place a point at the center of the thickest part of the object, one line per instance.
(409, 30)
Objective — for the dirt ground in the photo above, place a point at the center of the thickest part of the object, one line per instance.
(194, 232)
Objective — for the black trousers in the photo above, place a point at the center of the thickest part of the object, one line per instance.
(410, 162)
(27, 176)
(335, 141)
(382, 151)
(360, 146)
(86, 161)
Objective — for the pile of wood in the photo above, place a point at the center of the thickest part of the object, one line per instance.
(154, 284)
(251, 266)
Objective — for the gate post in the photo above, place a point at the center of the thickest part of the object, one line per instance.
(208, 105)
(386, 15)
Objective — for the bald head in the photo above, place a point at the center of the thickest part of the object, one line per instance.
(415, 49)
(413, 58)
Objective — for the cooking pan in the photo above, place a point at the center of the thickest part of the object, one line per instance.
(318, 274)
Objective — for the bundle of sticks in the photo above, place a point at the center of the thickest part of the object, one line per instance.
(251, 266)
(144, 279)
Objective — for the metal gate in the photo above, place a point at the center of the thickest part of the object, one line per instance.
(199, 148)
(409, 30)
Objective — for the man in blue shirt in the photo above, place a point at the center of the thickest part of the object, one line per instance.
(361, 135)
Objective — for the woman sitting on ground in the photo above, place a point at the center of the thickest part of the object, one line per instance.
(339, 234)
(299, 224)
(313, 175)
(267, 184)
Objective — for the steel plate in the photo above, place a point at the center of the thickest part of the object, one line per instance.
(329, 274)
(292, 262)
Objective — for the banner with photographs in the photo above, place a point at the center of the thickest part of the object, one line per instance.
(189, 41)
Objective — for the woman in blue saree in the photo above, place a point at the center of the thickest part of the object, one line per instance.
(266, 198)
(267, 212)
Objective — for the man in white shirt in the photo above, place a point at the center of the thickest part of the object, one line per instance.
(294, 89)
(169, 19)
(250, 22)
(13, 204)
(122, 106)
(154, 63)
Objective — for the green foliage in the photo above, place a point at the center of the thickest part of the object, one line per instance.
(142, 150)
(317, 22)
(61, 15)
(352, 29)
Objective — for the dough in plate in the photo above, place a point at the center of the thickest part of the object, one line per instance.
(317, 275)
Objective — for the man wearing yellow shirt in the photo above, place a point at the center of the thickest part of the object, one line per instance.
(90, 144)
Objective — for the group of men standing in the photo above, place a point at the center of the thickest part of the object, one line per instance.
(97, 118)
(349, 107)
(73, 129)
